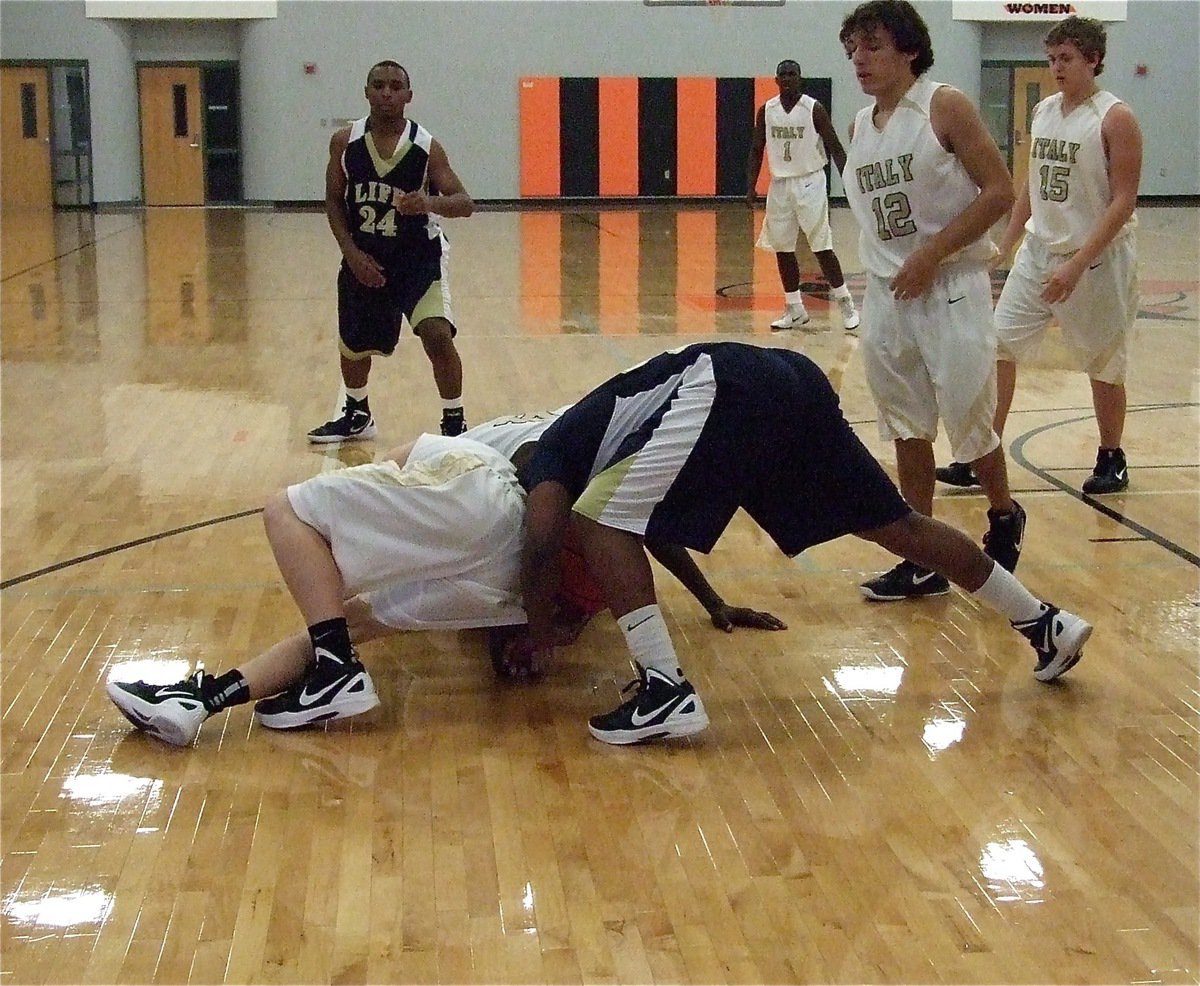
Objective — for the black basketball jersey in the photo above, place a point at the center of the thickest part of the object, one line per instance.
(394, 240)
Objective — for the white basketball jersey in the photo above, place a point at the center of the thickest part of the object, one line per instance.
(507, 434)
(794, 147)
(904, 186)
(1068, 173)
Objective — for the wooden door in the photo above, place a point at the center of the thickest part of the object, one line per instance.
(25, 136)
(1031, 84)
(172, 142)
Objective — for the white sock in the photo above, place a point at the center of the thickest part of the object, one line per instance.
(452, 403)
(1005, 594)
(841, 292)
(794, 299)
(357, 393)
(649, 643)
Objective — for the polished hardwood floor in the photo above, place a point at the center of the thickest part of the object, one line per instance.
(885, 794)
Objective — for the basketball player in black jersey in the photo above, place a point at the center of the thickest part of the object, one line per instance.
(386, 183)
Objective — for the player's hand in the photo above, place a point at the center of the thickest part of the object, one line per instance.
(521, 660)
(365, 268)
(410, 203)
(916, 276)
(998, 262)
(569, 622)
(1062, 282)
(725, 617)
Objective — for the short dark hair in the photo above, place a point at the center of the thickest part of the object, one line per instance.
(901, 20)
(388, 63)
(1085, 33)
(787, 62)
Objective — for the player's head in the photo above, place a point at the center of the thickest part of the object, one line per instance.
(899, 20)
(387, 63)
(788, 72)
(1085, 34)
(388, 89)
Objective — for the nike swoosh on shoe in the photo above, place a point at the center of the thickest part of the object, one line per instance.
(305, 698)
(638, 719)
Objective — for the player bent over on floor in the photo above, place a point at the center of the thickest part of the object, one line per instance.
(669, 450)
(428, 538)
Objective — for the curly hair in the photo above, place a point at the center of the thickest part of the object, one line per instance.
(901, 20)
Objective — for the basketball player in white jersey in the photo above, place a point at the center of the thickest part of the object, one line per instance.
(925, 181)
(799, 139)
(428, 538)
(1078, 262)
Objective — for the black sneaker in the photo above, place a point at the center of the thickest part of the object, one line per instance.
(1110, 475)
(171, 713)
(659, 709)
(333, 690)
(906, 581)
(958, 474)
(355, 425)
(1002, 542)
(1058, 638)
(454, 422)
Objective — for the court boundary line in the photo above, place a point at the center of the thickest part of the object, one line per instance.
(1016, 453)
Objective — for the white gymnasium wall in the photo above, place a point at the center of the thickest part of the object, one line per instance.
(466, 59)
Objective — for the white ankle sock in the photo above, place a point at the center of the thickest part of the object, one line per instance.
(649, 643)
(1005, 594)
(794, 299)
(357, 393)
(841, 292)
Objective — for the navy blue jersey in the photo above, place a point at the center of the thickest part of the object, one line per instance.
(769, 437)
(395, 241)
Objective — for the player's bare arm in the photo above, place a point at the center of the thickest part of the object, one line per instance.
(833, 146)
(758, 143)
(547, 513)
(446, 195)
(362, 265)
(678, 561)
(960, 129)
(1122, 139)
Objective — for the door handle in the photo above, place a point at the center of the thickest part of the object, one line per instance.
(193, 145)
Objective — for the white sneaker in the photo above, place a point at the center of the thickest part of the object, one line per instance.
(792, 318)
(171, 713)
(850, 317)
(1058, 638)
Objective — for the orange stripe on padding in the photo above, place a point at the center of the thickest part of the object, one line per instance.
(539, 137)
(541, 273)
(764, 88)
(618, 136)
(696, 137)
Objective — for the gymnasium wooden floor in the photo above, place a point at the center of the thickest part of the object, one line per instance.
(885, 795)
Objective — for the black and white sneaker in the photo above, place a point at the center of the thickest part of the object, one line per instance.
(355, 425)
(1111, 474)
(171, 713)
(333, 690)
(659, 709)
(1002, 542)
(958, 474)
(1058, 638)
(454, 422)
(906, 581)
